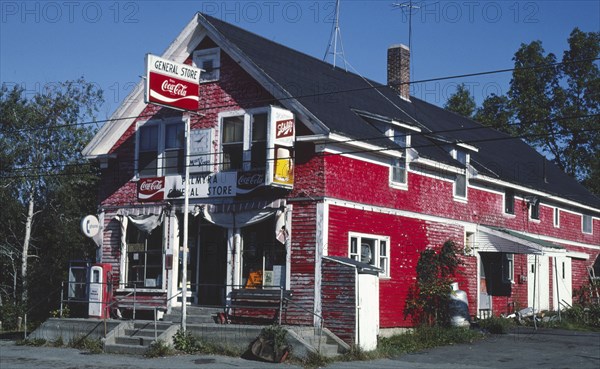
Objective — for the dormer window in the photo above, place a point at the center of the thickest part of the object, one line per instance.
(209, 60)
(460, 184)
(398, 173)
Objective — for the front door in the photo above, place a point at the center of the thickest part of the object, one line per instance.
(538, 282)
(212, 264)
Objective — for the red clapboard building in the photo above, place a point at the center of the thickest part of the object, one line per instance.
(308, 178)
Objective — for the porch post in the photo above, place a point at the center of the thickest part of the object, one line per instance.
(185, 226)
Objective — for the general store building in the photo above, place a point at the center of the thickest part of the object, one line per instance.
(307, 177)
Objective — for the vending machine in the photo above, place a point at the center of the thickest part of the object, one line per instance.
(100, 295)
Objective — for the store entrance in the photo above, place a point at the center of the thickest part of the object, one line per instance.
(264, 258)
(212, 264)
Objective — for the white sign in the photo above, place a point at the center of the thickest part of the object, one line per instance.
(222, 184)
(171, 84)
(90, 226)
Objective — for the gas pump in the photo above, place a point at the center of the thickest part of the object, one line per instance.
(100, 290)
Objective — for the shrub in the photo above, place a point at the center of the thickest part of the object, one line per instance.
(159, 348)
(186, 342)
(36, 342)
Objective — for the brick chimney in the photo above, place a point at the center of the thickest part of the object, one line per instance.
(398, 69)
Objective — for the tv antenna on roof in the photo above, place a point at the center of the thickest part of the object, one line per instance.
(333, 40)
(409, 6)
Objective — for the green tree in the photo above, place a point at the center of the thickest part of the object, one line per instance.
(496, 112)
(461, 102)
(40, 142)
(428, 300)
(554, 107)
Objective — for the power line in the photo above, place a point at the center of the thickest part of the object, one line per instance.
(371, 86)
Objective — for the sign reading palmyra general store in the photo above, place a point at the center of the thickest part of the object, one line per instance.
(171, 84)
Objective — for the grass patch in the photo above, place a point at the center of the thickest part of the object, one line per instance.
(496, 325)
(91, 345)
(35, 342)
(188, 343)
(159, 348)
(423, 338)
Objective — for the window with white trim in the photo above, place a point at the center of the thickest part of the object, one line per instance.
(556, 218)
(508, 267)
(209, 60)
(460, 183)
(534, 208)
(586, 224)
(160, 148)
(509, 201)
(144, 261)
(398, 173)
(244, 140)
(370, 249)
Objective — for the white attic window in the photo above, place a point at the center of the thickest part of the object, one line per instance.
(209, 60)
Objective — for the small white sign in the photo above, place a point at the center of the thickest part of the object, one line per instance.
(90, 226)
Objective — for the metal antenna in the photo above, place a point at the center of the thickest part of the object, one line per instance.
(333, 40)
(408, 5)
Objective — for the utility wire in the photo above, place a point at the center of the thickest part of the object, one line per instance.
(326, 93)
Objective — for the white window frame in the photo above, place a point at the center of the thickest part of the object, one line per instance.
(583, 222)
(504, 199)
(377, 259)
(247, 138)
(530, 211)
(403, 182)
(214, 54)
(124, 265)
(508, 267)
(556, 217)
(160, 156)
(456, 196)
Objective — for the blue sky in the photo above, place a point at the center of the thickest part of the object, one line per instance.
(44, 42)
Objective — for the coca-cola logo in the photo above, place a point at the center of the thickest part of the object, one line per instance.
(247, 181)
(284, 128)
(151, 189)
(174, 88)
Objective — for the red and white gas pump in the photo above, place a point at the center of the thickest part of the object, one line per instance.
(100, 290)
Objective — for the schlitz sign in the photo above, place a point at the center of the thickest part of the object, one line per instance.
(171, 84)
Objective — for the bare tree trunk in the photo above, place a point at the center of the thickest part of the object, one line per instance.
(26, 242)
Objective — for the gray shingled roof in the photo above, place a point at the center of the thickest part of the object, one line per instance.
(317, 85)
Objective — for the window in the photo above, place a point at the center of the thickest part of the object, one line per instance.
(508, 267)
(263, 257)
(233, 142)
(534, 208)
(586, 223)
(373, 250)
(398, 171)
(509, 201)
(469, 243)
(556, 218)
(144, 258)
(160, 149)
(460, 184)
(209, 60)
(242, 131)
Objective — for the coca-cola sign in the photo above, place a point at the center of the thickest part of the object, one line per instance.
(171, 84)
(151, 189)
(248, 181)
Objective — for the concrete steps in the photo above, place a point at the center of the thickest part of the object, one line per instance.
(134, 338)
(320, 341)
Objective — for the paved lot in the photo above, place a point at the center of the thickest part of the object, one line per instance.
(524, 348)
